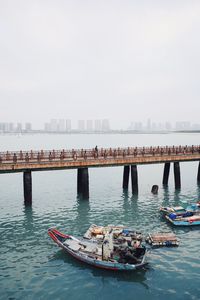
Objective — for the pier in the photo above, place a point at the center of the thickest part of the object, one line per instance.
(83, 159)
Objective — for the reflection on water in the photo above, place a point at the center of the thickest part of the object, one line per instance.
(166, 196)
(138, 276)
(28, 218)
(83, 210)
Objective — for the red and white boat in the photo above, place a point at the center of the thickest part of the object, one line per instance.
(100, 254)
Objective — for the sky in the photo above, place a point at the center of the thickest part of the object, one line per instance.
(126, 61)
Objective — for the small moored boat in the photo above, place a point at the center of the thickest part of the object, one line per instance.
(183, 220)
(190, 209)
(102, 255)
(181, 216)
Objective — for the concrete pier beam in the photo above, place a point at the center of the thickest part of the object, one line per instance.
(166, 173)
(83, 182)
(177, 177)
(126, 177)
(27, 182)
(198, 174)
(134, 179)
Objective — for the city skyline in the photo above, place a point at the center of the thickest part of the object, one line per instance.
(104, 125)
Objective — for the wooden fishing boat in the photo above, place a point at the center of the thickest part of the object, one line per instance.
(101, 255)
(179, 220)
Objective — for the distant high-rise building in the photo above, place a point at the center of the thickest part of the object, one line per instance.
(160, 126)
(68, 125)
(149, 124)
(81, 125)
(3, 127)
(138, 126)
(195, 126)
(6, 127)
(97, 125)
(168, 126)
(183, 125)
(154, 126)
(105, 125)
(47, 127)
(89, 125)
(61, 125)
(53, 125)
(10, 127)
(19, 127)
(28, 126)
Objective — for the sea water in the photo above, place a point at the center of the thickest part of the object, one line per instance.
(32, 266)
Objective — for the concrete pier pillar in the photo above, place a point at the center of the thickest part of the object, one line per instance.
(83, 182)
(126, 177)
(79, 181)
(177, 177)
(198, 174)
(27, 181)
(166, 173)
(134, 179)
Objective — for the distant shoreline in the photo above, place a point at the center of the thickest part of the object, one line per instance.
(99, 132)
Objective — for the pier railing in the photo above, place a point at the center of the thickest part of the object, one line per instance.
(90, 154)
(83, 159)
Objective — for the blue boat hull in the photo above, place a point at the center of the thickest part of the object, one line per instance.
(182, 222)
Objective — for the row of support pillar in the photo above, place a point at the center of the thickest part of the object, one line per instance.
(134, 178)
(83, 180)
(82, 185)
(177, 174)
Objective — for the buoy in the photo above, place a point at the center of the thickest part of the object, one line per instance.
(154, 189)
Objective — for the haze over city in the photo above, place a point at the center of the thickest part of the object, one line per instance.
(84, 60)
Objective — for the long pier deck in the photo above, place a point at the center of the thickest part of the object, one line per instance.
(20, 161)
(82, 159)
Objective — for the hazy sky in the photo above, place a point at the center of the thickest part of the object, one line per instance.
(125, 60)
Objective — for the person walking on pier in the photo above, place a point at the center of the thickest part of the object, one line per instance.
(38, 156)
(14, 158)
(27, 157)
(96, 152)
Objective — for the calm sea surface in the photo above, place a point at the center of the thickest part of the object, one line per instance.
(33, 267)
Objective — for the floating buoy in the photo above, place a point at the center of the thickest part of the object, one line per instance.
(154, 189)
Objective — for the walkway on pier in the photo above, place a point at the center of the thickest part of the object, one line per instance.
(82, 159)
(67, 159)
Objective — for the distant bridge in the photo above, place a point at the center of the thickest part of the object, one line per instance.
(82, 159)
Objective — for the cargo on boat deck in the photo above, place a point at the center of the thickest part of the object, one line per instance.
(119, 232)
(104, 254)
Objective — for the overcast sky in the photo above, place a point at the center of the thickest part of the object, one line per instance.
(125, 60)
